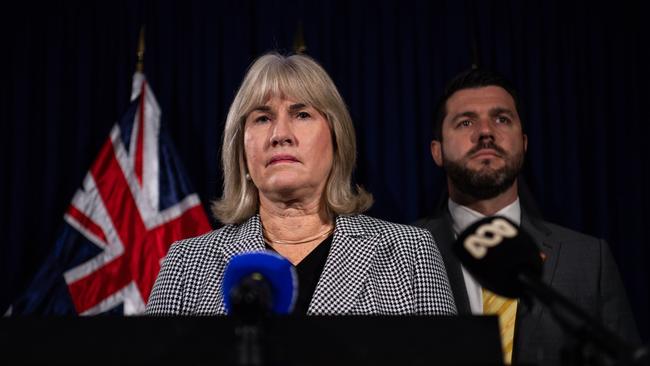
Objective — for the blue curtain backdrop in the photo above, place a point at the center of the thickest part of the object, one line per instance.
(580, 67)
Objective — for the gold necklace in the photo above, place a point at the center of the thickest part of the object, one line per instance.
(318, 236)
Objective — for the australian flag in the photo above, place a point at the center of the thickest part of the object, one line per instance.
(134, 202)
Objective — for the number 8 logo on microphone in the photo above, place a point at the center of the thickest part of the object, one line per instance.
(488, 236)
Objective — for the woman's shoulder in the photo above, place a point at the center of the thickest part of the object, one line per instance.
(206, 242)
(373, 225)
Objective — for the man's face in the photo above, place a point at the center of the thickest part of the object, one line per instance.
(483, 146)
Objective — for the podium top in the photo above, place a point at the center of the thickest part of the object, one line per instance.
(315, 340)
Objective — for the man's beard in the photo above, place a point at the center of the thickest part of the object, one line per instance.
(485, 183)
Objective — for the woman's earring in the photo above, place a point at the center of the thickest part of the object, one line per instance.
(248, 176)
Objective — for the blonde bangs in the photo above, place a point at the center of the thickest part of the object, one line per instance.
(283, 79)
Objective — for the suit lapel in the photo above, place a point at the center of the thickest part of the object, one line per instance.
(441, 228)
(248, 239)
(529, 314)
(346, 268)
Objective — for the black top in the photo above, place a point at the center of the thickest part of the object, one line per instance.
(308, 272)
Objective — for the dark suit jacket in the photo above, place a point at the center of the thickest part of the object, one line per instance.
(578, 266)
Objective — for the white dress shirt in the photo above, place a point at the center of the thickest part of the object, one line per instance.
(462, 217)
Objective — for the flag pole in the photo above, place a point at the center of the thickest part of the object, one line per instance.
(140, 54)
(299, 45)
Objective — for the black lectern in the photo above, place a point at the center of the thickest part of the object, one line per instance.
(319, 340)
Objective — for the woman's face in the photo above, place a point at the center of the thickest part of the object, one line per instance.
(288, 148)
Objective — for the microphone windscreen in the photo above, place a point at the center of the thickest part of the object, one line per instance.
(278, 273)
(496, 252)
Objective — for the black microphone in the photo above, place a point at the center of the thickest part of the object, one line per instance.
(505, 260)
(252, 297)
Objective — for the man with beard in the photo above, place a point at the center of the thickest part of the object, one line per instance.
(480, 143)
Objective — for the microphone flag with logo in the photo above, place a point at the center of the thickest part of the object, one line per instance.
(496, 252)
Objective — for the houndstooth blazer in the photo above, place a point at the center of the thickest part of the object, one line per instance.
(374, 267)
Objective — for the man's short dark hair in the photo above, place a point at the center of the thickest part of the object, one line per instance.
(470, 79)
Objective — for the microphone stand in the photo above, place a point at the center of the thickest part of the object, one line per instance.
(587, 330)
(251, 301)
(249, 344)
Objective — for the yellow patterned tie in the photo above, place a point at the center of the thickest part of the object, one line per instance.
(506, 309)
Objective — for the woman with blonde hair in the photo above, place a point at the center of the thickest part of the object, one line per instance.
(288, 154)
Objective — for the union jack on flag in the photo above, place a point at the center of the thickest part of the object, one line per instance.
(134, 202)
